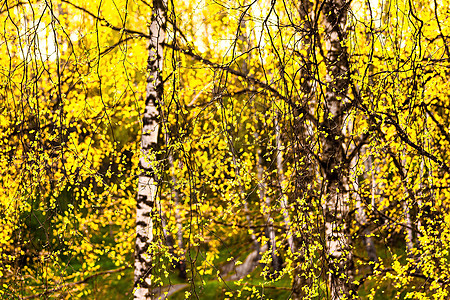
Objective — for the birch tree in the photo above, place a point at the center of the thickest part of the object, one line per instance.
(148, 178)
(333, 89)
(334, 163)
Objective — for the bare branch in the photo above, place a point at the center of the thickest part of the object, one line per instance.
(68, 285)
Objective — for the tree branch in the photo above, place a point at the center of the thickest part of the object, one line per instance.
(249, 78)
(85, 280)
(106, 22)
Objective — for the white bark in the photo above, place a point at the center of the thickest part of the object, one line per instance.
(336, 205)
(267, 204)
(407, 209)
(304, 269)
(244, 38)
(179, 239)
(282, 179)
(177, 209)
(409, 225)
(362, 219)
(148, 181)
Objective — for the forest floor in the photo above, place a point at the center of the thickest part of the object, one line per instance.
(229, 272)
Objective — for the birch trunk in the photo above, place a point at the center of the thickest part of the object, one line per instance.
(148, 178)
(266, 203)
(245, 46)
(179, 239)
(282, 179)
(304, 270)
(335, 169)
(407, 203)
(409, 225)
(368, 163)
(362, 219)
(425, 181)
(368, 240)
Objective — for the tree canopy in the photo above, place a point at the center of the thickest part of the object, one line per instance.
(224, 149)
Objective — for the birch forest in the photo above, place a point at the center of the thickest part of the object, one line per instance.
(225, 149)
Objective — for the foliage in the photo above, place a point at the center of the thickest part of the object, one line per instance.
(73, 78)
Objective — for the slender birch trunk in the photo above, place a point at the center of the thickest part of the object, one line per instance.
(409, 224)
(251, 262)
(301, 281)
(410, 198)
(170, 242)
(368, 163)
(179, 239)
(367, 238)
(267, 204)
(333, 160)
(282, 179)
(362, 219)
(304, 270)
(425, 180)
(245, 44)
(148, 178)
